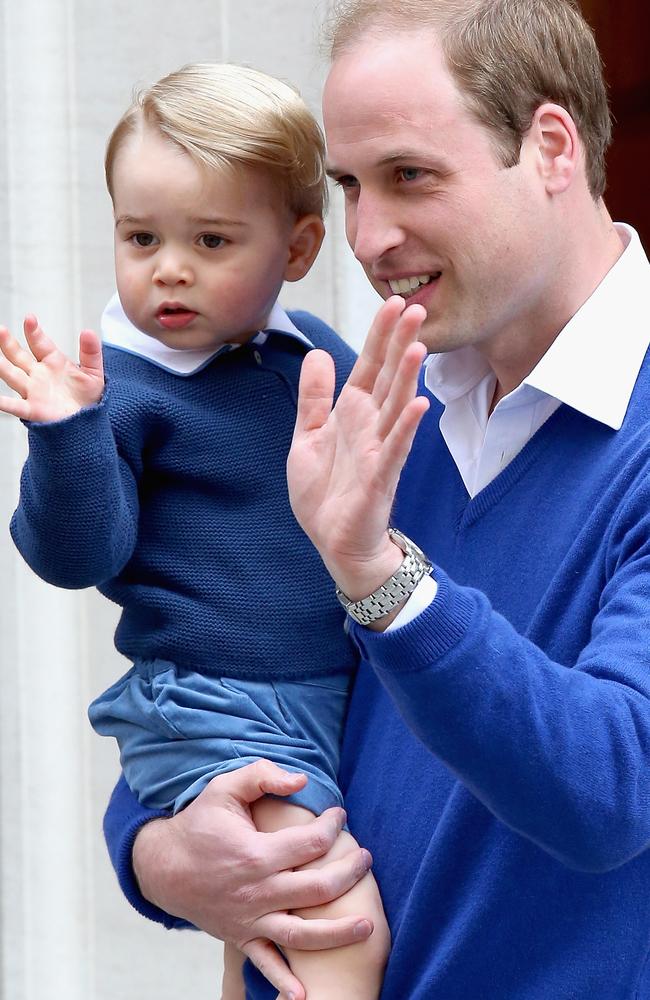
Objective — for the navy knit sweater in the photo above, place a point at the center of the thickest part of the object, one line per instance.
(170, 496)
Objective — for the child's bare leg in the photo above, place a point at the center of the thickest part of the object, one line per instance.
(355, 971)
(232, 987)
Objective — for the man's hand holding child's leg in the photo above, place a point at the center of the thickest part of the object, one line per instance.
(210, 865)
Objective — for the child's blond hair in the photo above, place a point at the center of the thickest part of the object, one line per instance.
(226, 116)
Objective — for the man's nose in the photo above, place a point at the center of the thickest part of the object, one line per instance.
(172, 267)
(372, 229)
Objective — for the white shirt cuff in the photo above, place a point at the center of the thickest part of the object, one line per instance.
(420, 599)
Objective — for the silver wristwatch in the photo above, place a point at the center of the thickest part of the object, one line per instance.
(396, 589)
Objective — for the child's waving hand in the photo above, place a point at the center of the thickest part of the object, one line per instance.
(49, 385)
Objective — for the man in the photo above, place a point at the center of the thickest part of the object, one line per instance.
(498, 742)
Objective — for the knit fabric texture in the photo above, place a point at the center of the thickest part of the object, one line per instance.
(170, 496)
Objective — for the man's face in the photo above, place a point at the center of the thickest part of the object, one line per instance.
(429, 207)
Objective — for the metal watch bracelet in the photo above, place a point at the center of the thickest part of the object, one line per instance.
(396, 589)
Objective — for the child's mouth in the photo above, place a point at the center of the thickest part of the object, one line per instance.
(175, 317)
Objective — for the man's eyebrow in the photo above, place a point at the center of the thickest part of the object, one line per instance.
(404, 157)
(415, 157)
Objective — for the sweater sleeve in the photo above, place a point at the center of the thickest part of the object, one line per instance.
(124, 818)
(559, 753)
(76, 521)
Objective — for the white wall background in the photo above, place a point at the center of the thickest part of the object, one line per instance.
(69, 67)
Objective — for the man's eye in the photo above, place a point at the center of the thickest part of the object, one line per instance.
(346, 181)
(409, 173)
(211, 241)
(143, 239)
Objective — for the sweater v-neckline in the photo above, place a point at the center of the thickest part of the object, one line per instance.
(475, 507)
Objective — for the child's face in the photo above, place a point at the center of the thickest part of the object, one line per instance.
(200, 256)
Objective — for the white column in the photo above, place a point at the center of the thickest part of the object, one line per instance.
(355, 301)
(45, 921)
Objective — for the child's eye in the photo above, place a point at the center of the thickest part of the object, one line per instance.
(211, 241)
(143, 239)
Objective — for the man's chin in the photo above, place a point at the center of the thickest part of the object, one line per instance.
(438, 338)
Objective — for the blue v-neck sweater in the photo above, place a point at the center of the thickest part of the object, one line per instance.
(497, 754)
(511, 822)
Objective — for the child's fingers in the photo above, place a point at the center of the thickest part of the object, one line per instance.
(14, 353)
(15, 406)
(90, 354)
(14, 377)
(39, 343)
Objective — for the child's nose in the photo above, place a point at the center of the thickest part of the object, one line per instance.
(172, 268)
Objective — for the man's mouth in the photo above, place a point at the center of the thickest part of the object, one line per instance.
(406, 287)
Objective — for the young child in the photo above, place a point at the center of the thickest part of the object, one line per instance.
(164, 485)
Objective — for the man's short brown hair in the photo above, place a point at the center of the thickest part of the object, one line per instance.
(507, 58)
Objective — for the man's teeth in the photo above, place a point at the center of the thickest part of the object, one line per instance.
(406, 286)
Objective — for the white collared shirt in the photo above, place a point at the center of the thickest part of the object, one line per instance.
(592, 366)
(118, 331)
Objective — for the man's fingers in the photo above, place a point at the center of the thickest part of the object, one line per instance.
(400, 419)
(402, 389)
(315, 392)
(397, 445)
(291, 931)
(404, 335)
(250, 783)
(266, 957)
(90, 354)
(298, 845)
(373, 353)
(315, 886)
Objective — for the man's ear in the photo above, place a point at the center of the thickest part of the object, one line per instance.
(304, 243)
(555, 137)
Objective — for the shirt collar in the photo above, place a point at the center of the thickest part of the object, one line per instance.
(119, 332)
(593, 363)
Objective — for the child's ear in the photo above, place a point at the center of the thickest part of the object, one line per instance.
(304, 243)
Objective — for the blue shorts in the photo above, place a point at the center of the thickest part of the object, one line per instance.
(177, 729)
